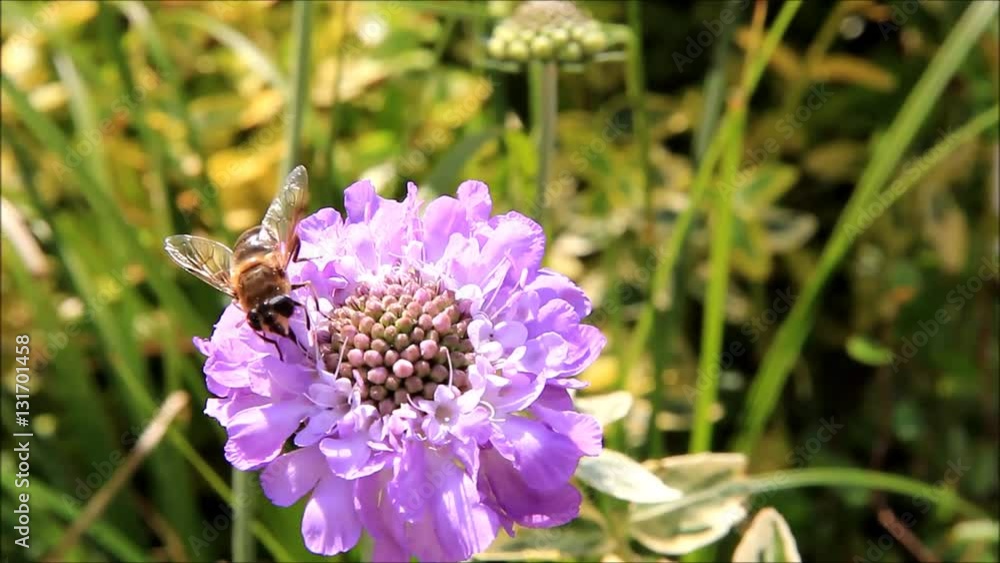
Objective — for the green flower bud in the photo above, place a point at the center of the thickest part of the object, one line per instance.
(505, 32)
(495, 47)
(518, 50)
(571, 52)
(577, 32)
(594, 42)
(559, 36)
(542, 47)
(526, 35)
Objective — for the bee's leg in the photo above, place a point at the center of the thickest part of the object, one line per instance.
(281, 356)
(315, 350)
(308, 318)
(293, 338)
(312, 289)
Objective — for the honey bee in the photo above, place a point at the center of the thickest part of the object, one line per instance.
(254, 272)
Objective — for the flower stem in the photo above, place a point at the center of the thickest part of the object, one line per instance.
(545, 98)
(791, 336)
(244, 546)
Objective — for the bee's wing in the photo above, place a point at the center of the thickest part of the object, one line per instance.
(286, 210)
(207, 259)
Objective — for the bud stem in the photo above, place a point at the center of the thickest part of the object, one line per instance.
(545, 94)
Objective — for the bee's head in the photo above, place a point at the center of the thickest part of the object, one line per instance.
(273, 315)
(254, 319)
(284, 306)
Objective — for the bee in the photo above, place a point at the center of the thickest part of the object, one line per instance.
(254, 272)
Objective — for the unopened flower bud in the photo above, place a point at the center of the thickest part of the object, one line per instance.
(542, 47)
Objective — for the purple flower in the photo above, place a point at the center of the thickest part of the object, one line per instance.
(432, 406)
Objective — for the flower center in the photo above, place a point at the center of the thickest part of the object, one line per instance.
(399, 338)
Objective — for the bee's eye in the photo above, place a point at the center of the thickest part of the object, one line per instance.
(254, 319)
(285, 306)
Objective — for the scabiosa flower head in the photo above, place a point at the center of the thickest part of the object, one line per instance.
(431, 406)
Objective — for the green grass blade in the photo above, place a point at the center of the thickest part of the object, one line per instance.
(82, 109)
(791, 336)
(253, 58)
(172, 485)
(667, 255)
(75, 388)
(298, 96)
(145, 403)
(141, 20)
(244, 493)
(714, 316)
(104, 207)
(635, 85)
(151, 144)
(326, 161)
(116, 542)
(766, 484)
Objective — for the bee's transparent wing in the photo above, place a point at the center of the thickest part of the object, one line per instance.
(206, 259)
(286, 210)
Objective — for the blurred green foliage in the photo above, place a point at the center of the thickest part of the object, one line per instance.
(127, 121)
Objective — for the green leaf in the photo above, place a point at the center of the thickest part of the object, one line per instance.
(767, 184)
(866, 351)
(768, 539)
(983, 530)
(680, 527)
(788, 230)
(622, 477)
(583, 539)
(607, 408)
(750, 252)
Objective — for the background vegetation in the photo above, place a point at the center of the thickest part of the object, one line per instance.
(787, 222)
